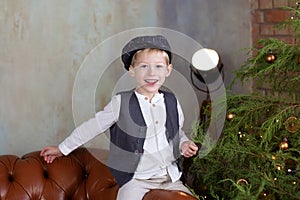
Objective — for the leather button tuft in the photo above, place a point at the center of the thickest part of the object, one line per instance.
(86, 175)
(10, 178)
(46, 175)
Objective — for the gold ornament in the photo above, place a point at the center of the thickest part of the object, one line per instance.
(242, 181)
(292, 124)
(284, 144)
(270, 57)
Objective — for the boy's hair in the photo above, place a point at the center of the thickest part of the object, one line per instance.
(150, 50)
(144, 42)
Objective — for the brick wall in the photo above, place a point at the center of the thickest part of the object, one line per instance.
(266, 14)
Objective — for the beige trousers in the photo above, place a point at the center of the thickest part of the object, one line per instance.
(135, 189)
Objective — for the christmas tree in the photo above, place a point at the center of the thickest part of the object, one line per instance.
(258, 154)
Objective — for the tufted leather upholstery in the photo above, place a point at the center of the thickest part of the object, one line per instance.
(79, 176)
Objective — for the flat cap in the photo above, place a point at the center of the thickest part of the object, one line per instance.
(144, 42)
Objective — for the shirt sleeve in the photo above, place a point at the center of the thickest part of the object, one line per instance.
(93, 127)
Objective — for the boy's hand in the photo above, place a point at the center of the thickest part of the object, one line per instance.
(189, 149)
(50, 153)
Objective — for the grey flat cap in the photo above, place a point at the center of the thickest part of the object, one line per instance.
(144, 42)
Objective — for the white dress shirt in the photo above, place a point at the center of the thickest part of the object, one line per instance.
(158, 158)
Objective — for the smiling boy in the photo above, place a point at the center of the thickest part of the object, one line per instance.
(145, 125)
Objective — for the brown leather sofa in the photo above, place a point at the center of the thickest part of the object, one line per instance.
(79, 176)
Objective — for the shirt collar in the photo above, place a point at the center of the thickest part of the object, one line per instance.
(156, 97)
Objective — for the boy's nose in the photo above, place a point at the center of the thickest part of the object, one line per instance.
(151, 69)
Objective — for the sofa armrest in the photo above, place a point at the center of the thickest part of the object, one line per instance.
(159, 194)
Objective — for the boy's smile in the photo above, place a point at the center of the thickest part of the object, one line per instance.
(150, 68)
(151, 82)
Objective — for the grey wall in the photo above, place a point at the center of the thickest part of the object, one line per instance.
(44, 43)
(221, 25)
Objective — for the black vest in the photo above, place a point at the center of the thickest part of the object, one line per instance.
(128, 135)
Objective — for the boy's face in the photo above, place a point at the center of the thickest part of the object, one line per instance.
(150, 68)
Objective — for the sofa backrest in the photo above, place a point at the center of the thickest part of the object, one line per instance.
(79, 176)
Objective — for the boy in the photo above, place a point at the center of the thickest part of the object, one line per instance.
(145, 125)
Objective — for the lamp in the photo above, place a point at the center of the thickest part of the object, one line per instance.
(207, 67)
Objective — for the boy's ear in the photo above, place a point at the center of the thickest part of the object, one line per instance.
(169, 69)
(131, 71)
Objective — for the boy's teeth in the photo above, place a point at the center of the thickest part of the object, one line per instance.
(150, 81)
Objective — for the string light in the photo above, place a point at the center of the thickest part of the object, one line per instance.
(279, 167)
(230, 116)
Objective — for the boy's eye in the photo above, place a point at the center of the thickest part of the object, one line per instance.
(153, 67)
(144, 66)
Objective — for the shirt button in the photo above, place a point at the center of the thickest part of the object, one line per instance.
(156, 122)
(153, 105)
(146, 98)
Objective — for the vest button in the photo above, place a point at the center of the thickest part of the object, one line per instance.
(139, 140)
(141, 130)
(136, 151)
